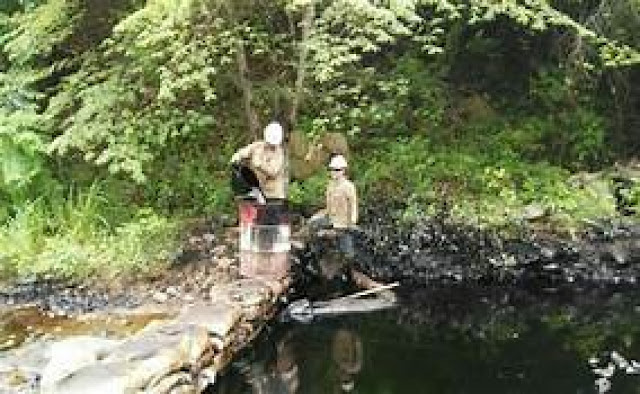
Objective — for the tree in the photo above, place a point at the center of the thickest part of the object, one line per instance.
(122, 91)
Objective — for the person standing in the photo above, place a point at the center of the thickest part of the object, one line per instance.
(264, 223)
(341, 209)
(340, 216)
(267, 159)
(341, 196)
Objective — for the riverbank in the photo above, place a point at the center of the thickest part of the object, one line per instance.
(206, 257)
(181, 350)
(434, 248)
(198, 314)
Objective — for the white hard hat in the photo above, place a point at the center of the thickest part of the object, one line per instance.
(273, 133)
(338, 162)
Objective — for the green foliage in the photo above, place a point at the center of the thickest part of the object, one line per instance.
(406, 98)
(539, 16)
(22, 148)
(37, 32)
(488, 187)
(631, 196)
(21, 156)
(574, 133)
(634, 198)
(310, 193)
(166, 70)
(71, 238)
(150, 97)
(191, 187)
(124, 115)
(364, 28)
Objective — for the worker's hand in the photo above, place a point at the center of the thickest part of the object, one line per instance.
(235, 158)
(327, 233)
(316, 216)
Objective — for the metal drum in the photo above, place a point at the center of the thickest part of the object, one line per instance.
(264, 240)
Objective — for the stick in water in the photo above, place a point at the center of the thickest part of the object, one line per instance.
(369, 291)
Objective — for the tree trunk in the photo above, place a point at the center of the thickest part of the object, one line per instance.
(245, 84)
(243, 78)
(307, 28)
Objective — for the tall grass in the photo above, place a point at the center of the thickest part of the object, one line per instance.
(82, 235)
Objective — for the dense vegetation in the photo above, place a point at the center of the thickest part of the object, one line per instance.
(117, 118)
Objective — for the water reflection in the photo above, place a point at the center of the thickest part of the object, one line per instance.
(346, 351)
(327, 363)
(455, 340)
(278, 372)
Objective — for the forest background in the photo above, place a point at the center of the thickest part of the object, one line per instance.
(118, 118)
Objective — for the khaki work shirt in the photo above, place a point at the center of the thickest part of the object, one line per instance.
(342, 203)
(269, 164)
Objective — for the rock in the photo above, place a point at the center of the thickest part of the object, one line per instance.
(617, 253)
(188, 298)
(548, 252)
(160, 297)
(15, 378)
(224, 263)
(218, 319)
(70, 355)
(173, 291)
(8, 344)
(175, 383)
(160, 351)
(144, 373)
(533, 212)
(206, 378)
(250, 294)
(603, 385)
(20, 369)
(277, 287)
(194, 343)
(95, 378)
(146, 344)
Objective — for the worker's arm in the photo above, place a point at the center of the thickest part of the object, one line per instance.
(243, 153)
(327, 200)
(353, 200)
(322, 212)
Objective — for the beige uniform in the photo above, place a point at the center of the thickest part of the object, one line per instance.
(269, 164)
(342, 203)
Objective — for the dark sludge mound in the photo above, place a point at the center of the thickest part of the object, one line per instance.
(432, 250)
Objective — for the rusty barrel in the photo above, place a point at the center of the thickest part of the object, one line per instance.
(264, 240)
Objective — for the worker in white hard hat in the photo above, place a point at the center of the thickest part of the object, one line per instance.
(341, 210)
(341, 216)
(267, 159)
(341, 197)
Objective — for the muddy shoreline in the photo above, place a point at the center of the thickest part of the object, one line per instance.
(428, 250)
(446, 261)
(436, 249)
